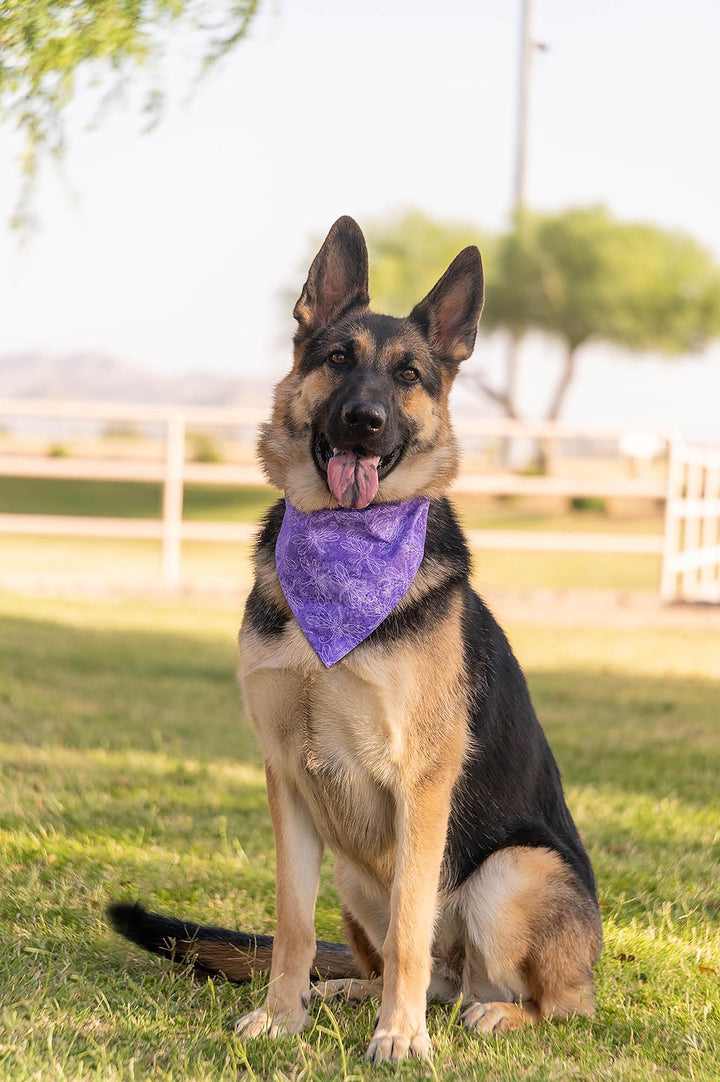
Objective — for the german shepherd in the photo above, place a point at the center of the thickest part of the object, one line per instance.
(418, 758)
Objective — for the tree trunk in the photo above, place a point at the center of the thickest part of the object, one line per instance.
(506, 398)
(513, 375)
(564, 382)
(512, 381)
(547, 447)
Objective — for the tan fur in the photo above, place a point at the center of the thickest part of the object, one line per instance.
(369, 960)
(348, 989)
(537, 935)
(421, 840)
(283, 443)
(238, 964)
(304, 400)
(497, 945)
(430, 474)
(364, 343)
(353, 737)
(494, 1018)
(371, 748)
(363, 756)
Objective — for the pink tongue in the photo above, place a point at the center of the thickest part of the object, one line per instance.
(353, 479)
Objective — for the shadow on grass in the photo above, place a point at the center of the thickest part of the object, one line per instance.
(640, 734)
(177, 693)
(119, 689)
(129, 770)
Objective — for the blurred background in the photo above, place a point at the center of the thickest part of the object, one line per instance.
(168, 170)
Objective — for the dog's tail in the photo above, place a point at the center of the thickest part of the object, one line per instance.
(235, 955)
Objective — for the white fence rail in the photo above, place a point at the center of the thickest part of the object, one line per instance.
(692, 501)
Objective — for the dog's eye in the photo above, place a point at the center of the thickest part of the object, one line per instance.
(410, 375)
(337, 357)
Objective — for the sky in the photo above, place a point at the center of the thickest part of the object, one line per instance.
(174, 249)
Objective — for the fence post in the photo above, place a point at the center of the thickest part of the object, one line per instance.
(711, 521)
(173, 499)
(694, 480)
(671, 537)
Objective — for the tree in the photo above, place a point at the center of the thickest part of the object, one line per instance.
(408, 254)
(577, 276)
(45, 45)
(581, 276)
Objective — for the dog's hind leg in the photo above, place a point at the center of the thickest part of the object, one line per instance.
(369, 964)
(532, 936)
(369, 961)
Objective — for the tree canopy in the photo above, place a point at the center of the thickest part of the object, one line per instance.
(577, 276)
(582, 275)
(409, 254)
(45, 45)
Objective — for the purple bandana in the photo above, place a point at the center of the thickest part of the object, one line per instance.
(344, 571)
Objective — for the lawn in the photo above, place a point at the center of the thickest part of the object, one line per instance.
(129, 771)
(129, 499)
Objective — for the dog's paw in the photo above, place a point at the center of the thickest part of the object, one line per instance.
(493, 1018)
(271, 1022)
(387, 1045)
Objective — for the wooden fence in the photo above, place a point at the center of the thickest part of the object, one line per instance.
(687, 571)
(691, 550)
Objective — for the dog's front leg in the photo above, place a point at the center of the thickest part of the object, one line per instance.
(298, 850)
(421, 824)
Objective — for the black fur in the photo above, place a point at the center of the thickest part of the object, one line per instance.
(264, 613)
(384, 329)
(172, 938)
(509, 792)
(337, 280)
(160, 934)
(445, 547)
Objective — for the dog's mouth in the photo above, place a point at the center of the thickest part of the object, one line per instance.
(352, 476)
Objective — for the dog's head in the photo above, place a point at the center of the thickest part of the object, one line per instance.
(363, 415)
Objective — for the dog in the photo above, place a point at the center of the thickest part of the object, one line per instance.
(416, 755)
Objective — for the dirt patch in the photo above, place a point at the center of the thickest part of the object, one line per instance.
(580, 608)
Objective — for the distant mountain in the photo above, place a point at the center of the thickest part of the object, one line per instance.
(95, 377)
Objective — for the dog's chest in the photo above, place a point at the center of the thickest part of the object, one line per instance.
(338, 734)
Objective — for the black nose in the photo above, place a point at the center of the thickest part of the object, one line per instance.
(364, 419)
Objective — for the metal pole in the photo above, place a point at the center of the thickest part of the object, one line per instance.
(512, 363)
(526, 50)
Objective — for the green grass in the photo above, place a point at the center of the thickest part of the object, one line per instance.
(129, 499)
(128, 769)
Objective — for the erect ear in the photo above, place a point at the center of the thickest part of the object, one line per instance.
(449, 315)
(337, 280)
